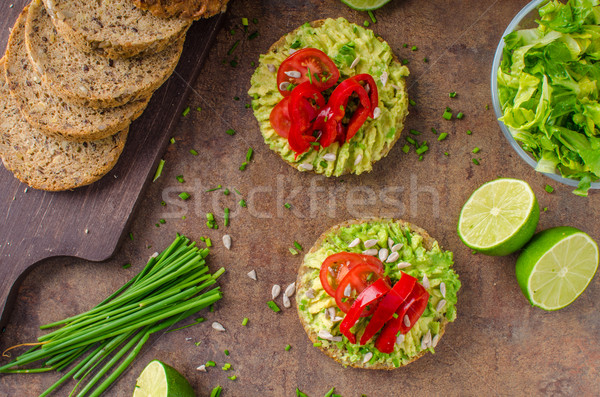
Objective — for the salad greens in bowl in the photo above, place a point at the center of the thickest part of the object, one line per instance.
(545, 89)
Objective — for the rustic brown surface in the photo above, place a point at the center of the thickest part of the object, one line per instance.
(497, 346)
(38, 225)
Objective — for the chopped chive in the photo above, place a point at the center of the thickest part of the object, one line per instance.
(406, 149)
(226, 352)
(287, 205)
(255, 21)
(395, 315)
(237, 98)
(452, 94)
(273, 306)
(247, 106)
(198, 343)
(425, 60)
(476, 150)
(410, 140)
(245, 21)
(366, 24)
(233, 63)
(180, 178)
(298, 246)
(299, 393)
(414, 48)
(226, 367)
(469, 132)
(475, 161)
(405, 61)
(434, 130)
(186, 111)
(234, 377)
(126, 266)
(253, 35)
(159, 170)
(252, 63)
(184, 195)
(163, 203)
(183, 217)
(233, 47)
(226, 216)
(288, 347)
(194, 152)
(447, 114)
(243, 203)
(216, 392)
(323, 163)
(549, 189)
(243, 166)
(211, 364)
(460, 115)
(317, 344)
(412, 103)
(420, 158)
(487, 107)
(245, 321)
(230, 131)
(415, 132)
(210, 216)
(208, 242)
(422, 149)
(330, 392)
(309, 75)
(162, 221)
(545, 209)
(199, 109)
(405, 45)
(446, 154)
(442, 136)
(249, 154)
(172, 140)
(372, 16)
(293, 251)
(215, 188)
(131, 236)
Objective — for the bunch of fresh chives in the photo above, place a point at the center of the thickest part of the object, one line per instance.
(171, 287)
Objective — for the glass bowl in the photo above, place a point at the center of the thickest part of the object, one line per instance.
(525, 19)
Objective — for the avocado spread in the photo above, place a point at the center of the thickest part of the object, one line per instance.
(414, 259)
(354, 50)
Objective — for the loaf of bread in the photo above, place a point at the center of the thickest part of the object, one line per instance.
(114, 28)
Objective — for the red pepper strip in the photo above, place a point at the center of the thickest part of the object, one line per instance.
(339, 100)
(387, 338)
(367, 79)
(300, 135)
(368, 296)
(388, 306)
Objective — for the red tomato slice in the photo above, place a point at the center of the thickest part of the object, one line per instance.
(303, 107)
(337, 266)
(294, 70)
(357, 279)
(280, 118)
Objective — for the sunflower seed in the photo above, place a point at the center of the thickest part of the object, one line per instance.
(443, 289)
(337, 318)
(227, 241)
(440, 305)
(154, 255)
(275, 291)
(354, 243)
(331, 312)
(400, 339)
(310, 293)
(372, 251)
(218, 326)
(307, 166)
(384, 78)
(284, 85)
(252, 274)
(286, 301)
(324, 334)
(425, 282)
(336, 339)
(289, 291)
(435, 340)
(329, 157)
(293, 74)
(202, 368)
(376, 112)
(188, 339)
(403, 265)
(390, 243)
(367, 88)
(371, 243)
(394, 256)
(426, 341)
(358, 159)
(355, 62)
(367, 357)
(396, 87)
(383, 254)
(406, 321)
(397, 247)
(348, 290)
(271, 67)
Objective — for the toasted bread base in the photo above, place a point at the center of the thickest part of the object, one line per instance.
(333, 351)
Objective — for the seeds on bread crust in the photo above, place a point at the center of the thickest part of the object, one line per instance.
(91, 79)
(114, 28)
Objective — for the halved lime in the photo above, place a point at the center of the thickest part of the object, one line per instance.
(160, 380)
(556, 267)
(365, 5)
(500, 217)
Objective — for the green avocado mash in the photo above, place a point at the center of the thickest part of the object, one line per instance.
(343, 42)
(434, 263)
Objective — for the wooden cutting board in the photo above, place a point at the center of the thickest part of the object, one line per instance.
(89, 222)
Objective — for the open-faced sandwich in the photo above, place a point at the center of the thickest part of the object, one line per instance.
(330, 97)
(376, 294)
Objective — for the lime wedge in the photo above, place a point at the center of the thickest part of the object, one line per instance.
(365, 5)
(499, 218)
(160, 380)
(556, 267)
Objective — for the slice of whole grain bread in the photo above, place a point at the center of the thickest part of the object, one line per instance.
(90, 79)
(114, 28)
(186, 9)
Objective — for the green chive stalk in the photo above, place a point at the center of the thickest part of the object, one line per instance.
(105, 340)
